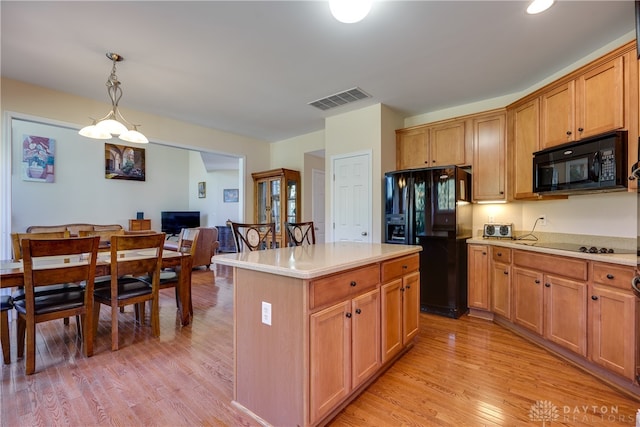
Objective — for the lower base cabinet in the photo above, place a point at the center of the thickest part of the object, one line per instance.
(345, 343)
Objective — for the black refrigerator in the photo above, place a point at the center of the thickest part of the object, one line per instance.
(431, 208)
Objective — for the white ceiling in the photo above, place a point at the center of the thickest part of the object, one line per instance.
(250, 68)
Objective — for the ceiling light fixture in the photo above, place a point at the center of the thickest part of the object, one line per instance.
(350, 11)
(538, 6)
(112, 123)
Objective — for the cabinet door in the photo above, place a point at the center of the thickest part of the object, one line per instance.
(489, 162)
(478, 277)
(391, 302)
(262, 202)
(330, 358)
(600, 99)
(501, 289)
(365, 336)
(528, 298)
(524, 141)
(565, 304)
(411, 149)
(613, 326)
(446, 144)
(558, 115)
(410, 306)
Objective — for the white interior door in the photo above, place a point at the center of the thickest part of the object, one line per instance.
(317, 204)
(352, 197)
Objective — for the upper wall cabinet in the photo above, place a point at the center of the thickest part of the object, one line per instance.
(489, 157)
(438, 144)
(588, 105)
(524, 140)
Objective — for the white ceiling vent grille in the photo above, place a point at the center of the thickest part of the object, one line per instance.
(351, 95)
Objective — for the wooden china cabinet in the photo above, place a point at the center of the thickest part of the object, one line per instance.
(276, 195)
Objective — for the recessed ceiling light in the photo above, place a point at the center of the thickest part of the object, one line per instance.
(350, 11)
(538, 6)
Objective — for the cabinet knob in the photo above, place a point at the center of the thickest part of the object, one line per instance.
(401, 289)
(348, 315)
(505, 272)
(594, 297)
(547, 285)
(580, 129)
(358, 311)
(568, 132)
(610, 276)
(537, 281)
(404, 267)
(484, 253)
(408, 287)
(499, 253)
(353, 283)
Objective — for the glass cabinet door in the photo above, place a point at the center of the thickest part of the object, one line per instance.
(292, 190)
(262, 208)
(275, 203)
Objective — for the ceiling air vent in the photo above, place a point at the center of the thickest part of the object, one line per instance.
(339, 99)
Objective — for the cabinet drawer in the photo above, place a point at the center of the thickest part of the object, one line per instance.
(562, 266)
(499, 254)
(612, 275)
(338, 287)
(399, 267)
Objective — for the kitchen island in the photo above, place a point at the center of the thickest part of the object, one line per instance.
(314, 325)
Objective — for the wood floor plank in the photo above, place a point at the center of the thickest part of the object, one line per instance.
(464, 372)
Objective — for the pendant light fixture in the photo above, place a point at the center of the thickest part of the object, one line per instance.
(114, 123)
(538, 6)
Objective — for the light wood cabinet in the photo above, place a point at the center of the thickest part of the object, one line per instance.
(478, 277)
(500, 283)
(139, 224)
(489, 157)
(588, 105)
(524, 140)
(550, 298)
(436, 144)
(400, 302)
(277, 199)
(345, 350)
(613, 319)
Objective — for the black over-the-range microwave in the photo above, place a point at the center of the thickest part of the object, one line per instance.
(598, 163)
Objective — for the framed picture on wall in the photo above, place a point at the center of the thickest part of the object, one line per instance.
(202, 190)
(230, 195)
(38, 156)
(122, 162)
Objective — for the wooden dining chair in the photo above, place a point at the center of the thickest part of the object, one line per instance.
(254, 237)
(6, 304)
(74, 262)
(132, 258)
(16, 240)
(187, 244)
(300, 233)
(105, 237)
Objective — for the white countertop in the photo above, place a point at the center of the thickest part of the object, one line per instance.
(622, 259)
(311, 261)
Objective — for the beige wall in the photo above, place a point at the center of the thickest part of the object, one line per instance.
(73, 111)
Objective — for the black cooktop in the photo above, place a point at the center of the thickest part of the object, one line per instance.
(590, 249)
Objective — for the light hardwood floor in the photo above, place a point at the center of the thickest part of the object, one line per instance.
(465, 372)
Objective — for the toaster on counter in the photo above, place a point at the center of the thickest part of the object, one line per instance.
(498, 230)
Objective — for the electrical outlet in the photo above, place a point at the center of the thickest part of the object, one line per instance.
(266, 313)
(543, 220)
(491, 219)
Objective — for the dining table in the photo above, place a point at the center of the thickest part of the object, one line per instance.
(12, 275)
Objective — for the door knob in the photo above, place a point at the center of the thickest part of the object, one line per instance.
(364, 233)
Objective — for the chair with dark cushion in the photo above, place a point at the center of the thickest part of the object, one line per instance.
(6, 304)
(74, 262)
(254, 237)
(300, 233)
(132, 258)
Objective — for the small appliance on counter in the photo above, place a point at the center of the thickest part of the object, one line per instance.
(503, 230)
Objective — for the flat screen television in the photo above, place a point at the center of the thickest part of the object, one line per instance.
(174, 221)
